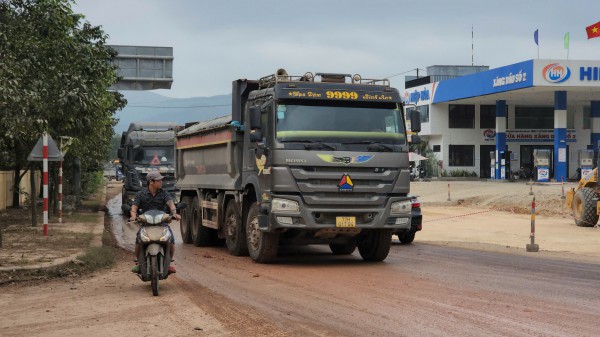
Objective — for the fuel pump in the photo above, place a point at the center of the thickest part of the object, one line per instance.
(586, 161)
(541, 162)
(492, 164)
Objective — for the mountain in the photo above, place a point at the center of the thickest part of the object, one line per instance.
(148, 106)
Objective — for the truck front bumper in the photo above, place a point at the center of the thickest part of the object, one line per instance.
(335, 216)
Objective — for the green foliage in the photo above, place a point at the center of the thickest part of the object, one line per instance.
(55, 73)
(91, 182)
(115, 143)
(458, 173)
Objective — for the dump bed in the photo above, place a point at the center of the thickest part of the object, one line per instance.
(209, 154)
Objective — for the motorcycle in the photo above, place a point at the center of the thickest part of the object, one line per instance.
(413, 175)
(154, 258)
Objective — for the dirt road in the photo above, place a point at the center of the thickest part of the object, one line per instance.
(420, 290)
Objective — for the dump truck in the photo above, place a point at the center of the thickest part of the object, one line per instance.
(306, 159)
(583, 200)
(146, 146)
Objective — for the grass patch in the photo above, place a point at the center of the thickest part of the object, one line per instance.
(82, 217)
(93, 259)
(97, 258)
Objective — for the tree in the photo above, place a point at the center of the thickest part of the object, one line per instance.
(55, 72)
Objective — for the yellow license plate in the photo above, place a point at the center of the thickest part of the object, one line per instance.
(345, 221)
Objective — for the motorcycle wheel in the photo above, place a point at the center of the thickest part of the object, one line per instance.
(154, 275)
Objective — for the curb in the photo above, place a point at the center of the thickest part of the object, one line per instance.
(95, 242)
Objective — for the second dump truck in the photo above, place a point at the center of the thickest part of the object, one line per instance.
(311, 159)
(146, 146)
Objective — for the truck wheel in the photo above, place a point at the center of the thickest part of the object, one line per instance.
(343, 249)
(375, 246)
(201, 236)
(262, 246)
(186, 221)
(235, 233)
(584, 210)
(407, 237)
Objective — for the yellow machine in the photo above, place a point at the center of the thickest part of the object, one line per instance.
(584, 200)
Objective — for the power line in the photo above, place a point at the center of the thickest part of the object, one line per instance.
(177, 107)
(404, 72)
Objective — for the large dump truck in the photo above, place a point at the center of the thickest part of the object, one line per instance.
(311, 159)
(146, 146)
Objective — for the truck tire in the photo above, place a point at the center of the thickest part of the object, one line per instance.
(375, 246)
(235, 233)
(201, 236)
(262, 246)
(342, 249)
(407, 237)
(186, 221)
(584, 210)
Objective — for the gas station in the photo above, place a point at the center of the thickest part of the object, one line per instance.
(537, 119)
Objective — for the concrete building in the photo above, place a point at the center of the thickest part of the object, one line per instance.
(494, 121)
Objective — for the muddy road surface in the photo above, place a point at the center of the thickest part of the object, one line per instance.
(419, 290)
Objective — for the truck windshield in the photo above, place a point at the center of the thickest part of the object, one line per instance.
(348, 123)
(154, 155)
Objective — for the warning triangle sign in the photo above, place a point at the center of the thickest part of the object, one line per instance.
(37, 154)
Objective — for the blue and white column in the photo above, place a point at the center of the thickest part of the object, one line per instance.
(500, 137)
(560, 135)
(595, 114)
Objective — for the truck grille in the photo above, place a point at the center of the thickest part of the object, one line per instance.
(320, 185)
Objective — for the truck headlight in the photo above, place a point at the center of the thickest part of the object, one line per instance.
(285, 206)
(401, 207)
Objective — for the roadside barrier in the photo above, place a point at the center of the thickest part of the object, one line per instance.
(460, 216)
(532, 247)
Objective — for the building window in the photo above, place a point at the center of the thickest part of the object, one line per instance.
(437, 148)
(534, 117)
(423, 112)
(487, 114)
(461, 116)
(462, 155)
(587, 117)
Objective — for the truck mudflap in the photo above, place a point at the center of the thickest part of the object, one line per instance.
(263, 222)
(315, 218)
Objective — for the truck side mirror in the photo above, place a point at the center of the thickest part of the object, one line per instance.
(415, 120)
(255, 118)
(415, 139)
(255, 135)
(120, 153)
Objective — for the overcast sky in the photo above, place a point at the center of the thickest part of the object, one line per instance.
(217, 41)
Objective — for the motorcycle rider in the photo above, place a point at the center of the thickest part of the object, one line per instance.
(154, 197)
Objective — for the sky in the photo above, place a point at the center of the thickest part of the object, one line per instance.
(218, 41)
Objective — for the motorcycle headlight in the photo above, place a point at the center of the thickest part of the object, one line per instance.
(144, 235)
(166, 235)
(401, 207)
(284, 206)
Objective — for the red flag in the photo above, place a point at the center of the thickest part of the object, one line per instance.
(593, 30)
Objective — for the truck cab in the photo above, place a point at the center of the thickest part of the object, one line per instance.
(146, 147)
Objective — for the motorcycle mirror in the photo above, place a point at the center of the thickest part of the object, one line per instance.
(181, 205)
